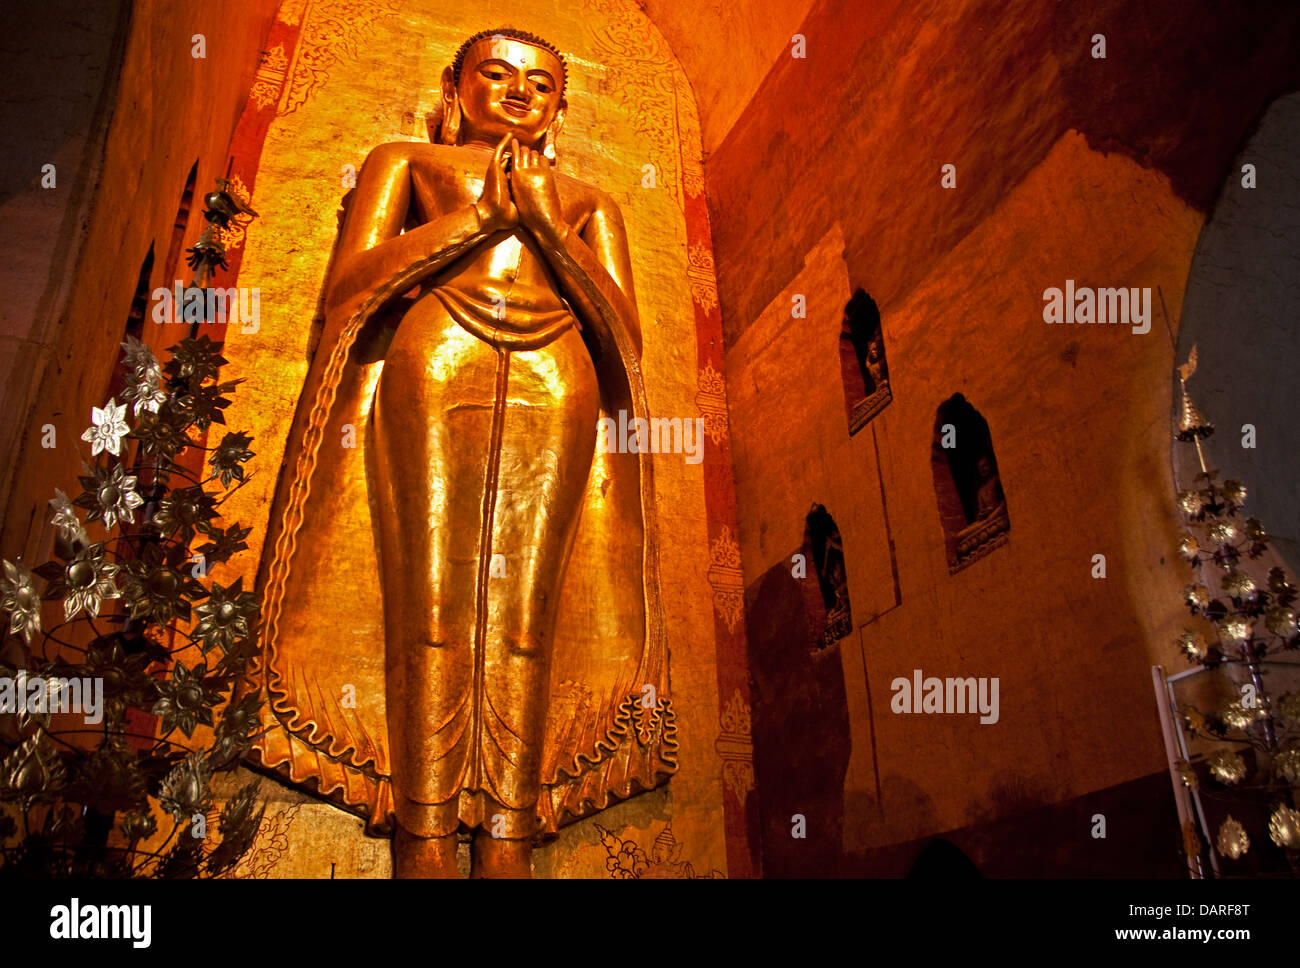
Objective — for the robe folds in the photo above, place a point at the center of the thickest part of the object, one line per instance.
(610, 729)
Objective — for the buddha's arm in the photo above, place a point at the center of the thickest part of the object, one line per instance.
(595, 273)
(374, 256)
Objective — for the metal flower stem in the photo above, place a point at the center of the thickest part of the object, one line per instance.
(1249, 651)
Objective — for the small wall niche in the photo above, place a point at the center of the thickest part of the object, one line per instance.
(967, 485)
(863, 367)
(823, 545)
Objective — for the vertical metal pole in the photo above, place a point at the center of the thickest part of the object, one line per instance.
(1167, 727)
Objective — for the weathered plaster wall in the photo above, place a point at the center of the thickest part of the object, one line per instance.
(168, 109)
(856, 131)
(60, 75)
(726, 49)
(1067, 167)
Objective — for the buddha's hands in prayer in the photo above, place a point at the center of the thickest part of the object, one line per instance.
(532, 184)
(496, 209)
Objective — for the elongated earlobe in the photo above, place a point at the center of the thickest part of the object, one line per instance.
(450, 126)
(450, 122)
(548, 140)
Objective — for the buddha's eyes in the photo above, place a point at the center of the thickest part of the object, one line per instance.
(540, 81)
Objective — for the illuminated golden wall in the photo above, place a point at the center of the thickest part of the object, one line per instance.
(362, 74)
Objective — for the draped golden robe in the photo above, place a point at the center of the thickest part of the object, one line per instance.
(609, 724)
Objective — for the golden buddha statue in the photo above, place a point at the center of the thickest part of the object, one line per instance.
(463, 629)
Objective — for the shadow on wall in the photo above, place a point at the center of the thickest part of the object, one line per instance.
(1241, 310)
(1033, 838)
(941, 860)
(800, 718)
(1235, 56)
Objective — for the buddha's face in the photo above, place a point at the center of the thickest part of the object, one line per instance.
(508, 86)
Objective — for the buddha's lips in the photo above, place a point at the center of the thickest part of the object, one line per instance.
(515, 108)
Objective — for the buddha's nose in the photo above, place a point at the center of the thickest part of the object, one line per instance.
(518, 86)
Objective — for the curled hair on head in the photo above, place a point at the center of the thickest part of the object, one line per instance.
(514, 34)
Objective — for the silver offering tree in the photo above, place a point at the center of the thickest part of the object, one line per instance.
(142, 626)
(1238, 761)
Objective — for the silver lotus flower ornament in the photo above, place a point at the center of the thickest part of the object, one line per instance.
(136, 356)
(144, 378)
(185, 790)
(144, 390)
(227, 616)
(66, 521)
(108, 427)
(86, 581)
(33, 771)
(19, 598)
(110, 496)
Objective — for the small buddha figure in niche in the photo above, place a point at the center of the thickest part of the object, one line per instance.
(478, 482)
(832, 579)
(876, 367)
(862, 361)
(988, 494)
(838, 617)
(860, 331)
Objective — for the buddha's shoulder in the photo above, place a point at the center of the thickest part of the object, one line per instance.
(421, 152)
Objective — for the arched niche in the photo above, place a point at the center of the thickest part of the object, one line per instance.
(967, 485)
(180, 225)
(831, 612)
(863, 367)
